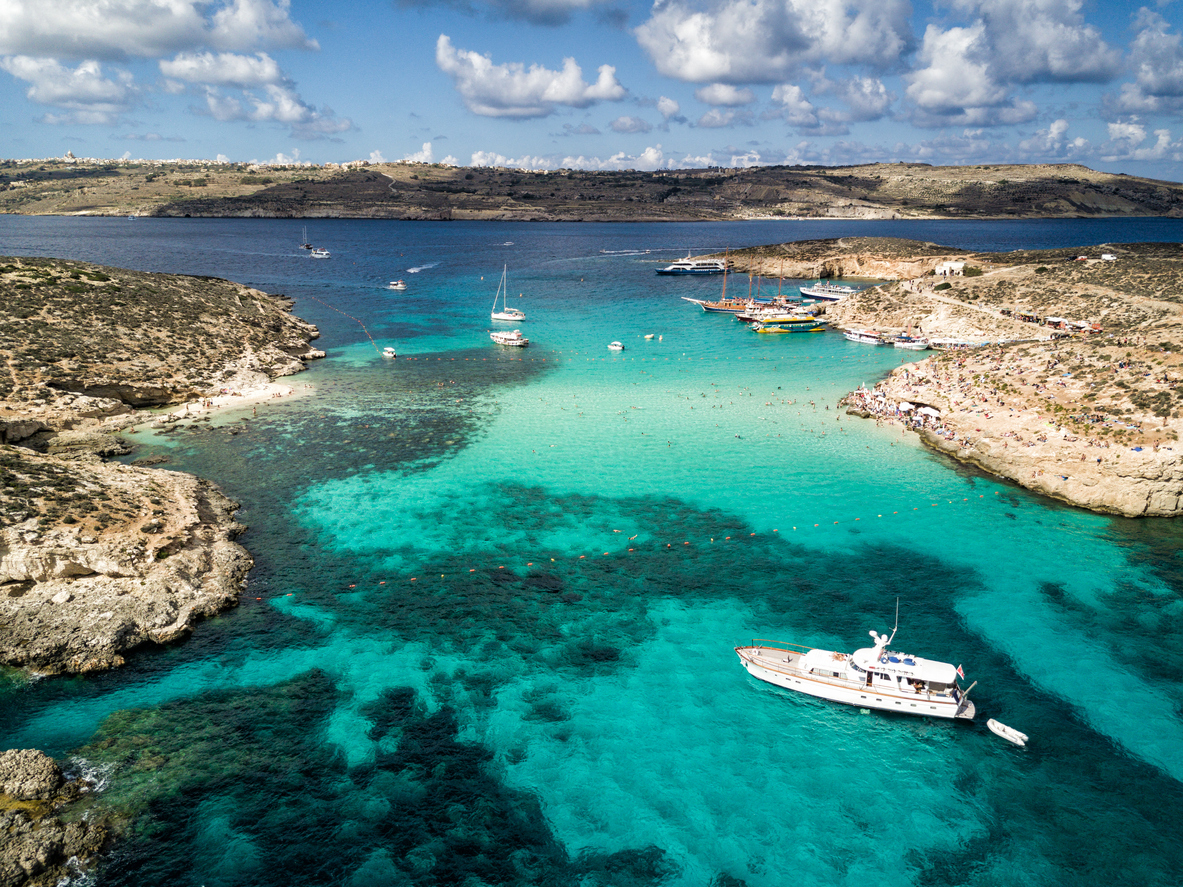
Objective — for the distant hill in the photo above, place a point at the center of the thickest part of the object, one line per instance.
(434, 191)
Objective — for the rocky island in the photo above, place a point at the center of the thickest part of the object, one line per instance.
(439, 192)
(1064, 367)
(96, 557)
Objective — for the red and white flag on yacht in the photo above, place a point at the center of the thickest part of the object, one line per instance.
(960, 672)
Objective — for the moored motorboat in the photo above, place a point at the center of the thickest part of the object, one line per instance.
(615, 346)
(830, 292)
(867, 337)
(772, 311)
(872, 677)
(796, 325)
(388, 351)
(512, 338)
(909, 343)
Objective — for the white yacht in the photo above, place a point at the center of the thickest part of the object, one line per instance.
(514, 315)
(397, 285)
(695, 266)
(829, 292)
(615, 346)
(873, 677)
(320, 253)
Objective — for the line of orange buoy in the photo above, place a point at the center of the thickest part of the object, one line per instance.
(685, 543)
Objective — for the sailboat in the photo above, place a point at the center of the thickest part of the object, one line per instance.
(305, 244)
(506, 313)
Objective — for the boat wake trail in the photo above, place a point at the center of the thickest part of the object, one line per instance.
(419, 268)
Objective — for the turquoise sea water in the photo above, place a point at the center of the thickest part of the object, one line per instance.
(488, 638)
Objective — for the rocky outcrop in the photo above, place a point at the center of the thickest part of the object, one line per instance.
(84, 344)
(42, 841)
(1070, 387)
(82, 585)
(97, 559)
(1131, 483)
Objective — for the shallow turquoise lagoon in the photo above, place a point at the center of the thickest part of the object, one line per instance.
(489, 635)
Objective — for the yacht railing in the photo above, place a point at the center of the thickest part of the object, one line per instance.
(763, 643)
(782, 646)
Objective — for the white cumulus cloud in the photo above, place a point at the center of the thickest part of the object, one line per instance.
(1126, 142)
(1158, 64)
(763, 41)
(277, 103)
(969, 72)
(724, 94)
(513, 90)
(85, 92)
(957, 86)
(668, 107)
(1054, 143)
(223, 69)
(797, 108)
(116, 29)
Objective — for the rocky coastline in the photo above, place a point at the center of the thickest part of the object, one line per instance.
(47, 838)
(1065, 369)
(97, 557)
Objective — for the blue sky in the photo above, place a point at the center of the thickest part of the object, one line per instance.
(597, 84)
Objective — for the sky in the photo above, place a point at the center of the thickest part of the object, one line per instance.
(597, 84)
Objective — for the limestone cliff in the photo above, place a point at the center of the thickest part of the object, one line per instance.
(98, 558)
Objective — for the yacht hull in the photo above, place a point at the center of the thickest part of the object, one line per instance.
(778, 667)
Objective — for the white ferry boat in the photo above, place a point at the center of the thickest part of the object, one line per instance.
(830, 292)
(513, 339)
(694, 266)
(873, 677)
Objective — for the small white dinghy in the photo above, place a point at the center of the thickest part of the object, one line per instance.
(1010, 734)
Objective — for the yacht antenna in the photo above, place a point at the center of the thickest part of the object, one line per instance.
(895, 627)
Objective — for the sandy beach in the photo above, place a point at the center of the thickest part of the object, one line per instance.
(230, 399)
